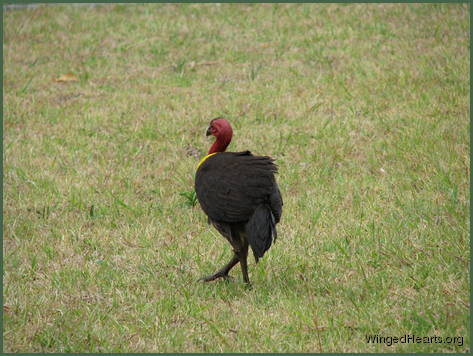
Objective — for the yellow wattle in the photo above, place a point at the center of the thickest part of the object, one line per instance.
(203, 159)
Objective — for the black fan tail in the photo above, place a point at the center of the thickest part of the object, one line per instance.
(260, 230)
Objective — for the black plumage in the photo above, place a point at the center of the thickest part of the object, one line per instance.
(239, 194)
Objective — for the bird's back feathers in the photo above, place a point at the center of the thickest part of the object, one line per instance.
(230, 185)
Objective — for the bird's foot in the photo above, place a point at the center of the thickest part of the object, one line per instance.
(215, 276)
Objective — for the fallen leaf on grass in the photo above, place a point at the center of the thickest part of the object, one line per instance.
(68, 77)
(193, 64)
(207, 63)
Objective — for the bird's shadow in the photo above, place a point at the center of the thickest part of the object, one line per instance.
(264, 283)
(227, 289)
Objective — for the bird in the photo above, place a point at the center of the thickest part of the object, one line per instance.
(240, 196)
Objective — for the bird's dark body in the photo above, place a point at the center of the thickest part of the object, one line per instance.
(241, 198)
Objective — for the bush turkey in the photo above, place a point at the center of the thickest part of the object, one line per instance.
(239, 194)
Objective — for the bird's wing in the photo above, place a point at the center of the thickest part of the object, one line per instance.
(230, 186)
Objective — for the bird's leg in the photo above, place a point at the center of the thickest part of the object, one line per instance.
(223, 272)
(242, 256)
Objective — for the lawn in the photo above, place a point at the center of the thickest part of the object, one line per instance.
(365, 109)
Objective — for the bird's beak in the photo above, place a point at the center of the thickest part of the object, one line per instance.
(209, 132)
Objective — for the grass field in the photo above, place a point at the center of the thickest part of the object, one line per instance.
(364, 107)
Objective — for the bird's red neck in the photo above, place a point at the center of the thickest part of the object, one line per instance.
(220, 145)
(223, 133)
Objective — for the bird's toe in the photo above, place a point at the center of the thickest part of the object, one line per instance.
(206, 279)
(213, 277)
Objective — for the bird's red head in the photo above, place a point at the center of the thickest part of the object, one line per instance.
(221, 129)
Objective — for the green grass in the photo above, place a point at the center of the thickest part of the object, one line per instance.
(364, 107)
